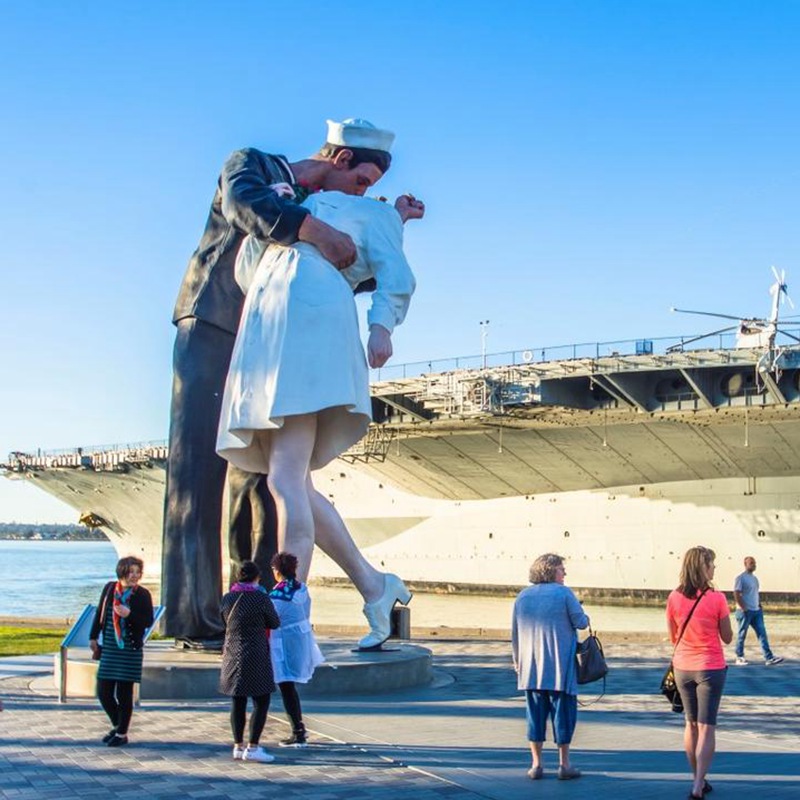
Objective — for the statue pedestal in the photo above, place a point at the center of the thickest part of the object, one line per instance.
(171, 674)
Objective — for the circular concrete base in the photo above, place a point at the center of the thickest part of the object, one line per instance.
(171, 674)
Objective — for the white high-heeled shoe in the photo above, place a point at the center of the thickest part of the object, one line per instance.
(379, 612)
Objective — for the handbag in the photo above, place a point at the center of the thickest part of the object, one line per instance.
(591, 663)
(668, 686)
(670, 690)
(98, 651)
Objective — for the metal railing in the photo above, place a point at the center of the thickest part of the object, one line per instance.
(563, 352)
(455, 393)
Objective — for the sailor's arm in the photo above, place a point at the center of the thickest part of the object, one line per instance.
(252, 205)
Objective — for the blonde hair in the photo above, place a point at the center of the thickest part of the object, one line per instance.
(543, 570)
(694, 571)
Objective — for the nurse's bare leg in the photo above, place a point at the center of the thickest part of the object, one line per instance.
(380, 590)
(334, 540)
(290, 449)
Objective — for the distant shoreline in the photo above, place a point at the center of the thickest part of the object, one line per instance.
(50, 532)
(7, 538)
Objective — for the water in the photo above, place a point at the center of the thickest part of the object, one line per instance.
(52, 579)
(57, 579)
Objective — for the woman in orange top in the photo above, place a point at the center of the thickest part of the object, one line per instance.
(699, 662)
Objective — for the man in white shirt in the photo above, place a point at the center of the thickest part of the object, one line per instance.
(749, 613)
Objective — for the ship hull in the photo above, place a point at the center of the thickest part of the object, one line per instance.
(623, 543)
(618, 463)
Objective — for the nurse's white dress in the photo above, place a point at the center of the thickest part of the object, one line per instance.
(298, 349)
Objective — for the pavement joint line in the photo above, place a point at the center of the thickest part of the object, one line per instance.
(388, 759)
(763, 740)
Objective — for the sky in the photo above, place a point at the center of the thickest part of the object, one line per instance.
(585, 166)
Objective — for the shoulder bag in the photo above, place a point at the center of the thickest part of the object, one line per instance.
(591, 663)
(668, 686)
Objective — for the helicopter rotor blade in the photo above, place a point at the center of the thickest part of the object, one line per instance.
(677, 347)
(706, 314)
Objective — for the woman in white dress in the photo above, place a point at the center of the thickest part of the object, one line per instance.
(297, 393)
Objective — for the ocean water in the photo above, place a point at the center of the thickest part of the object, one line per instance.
(52, 579)
(57, 579)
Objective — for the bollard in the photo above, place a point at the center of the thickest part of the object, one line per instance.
(62, 675)
(401, 623)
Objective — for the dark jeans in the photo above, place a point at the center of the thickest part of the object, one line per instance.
(291, 703)
(257, 719)
(116, 697)
(191, 577)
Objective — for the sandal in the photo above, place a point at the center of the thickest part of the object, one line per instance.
(707, 787)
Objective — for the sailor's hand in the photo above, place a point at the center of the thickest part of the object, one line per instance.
(93, 646)
(379, 346)
(409, 207)
(334, 245)
(282, 190)
(121, 610)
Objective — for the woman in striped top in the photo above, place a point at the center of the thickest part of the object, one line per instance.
(124, 613)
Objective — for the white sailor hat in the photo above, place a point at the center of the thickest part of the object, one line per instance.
(359, 133)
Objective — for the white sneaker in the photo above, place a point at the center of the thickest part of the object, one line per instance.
(238, 752)
(741, 661)
(774, 660)
(258, 754)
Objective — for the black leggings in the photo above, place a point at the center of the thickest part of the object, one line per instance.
(257, 719)
(291, 702)
(116, 697)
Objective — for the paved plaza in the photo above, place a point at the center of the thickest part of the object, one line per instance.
(462, 737)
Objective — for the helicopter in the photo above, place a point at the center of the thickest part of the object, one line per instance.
(752, 332)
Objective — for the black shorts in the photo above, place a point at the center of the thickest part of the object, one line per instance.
(701, 692)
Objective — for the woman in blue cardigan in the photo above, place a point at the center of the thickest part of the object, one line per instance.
(546, 618)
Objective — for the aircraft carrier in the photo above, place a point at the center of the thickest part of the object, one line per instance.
(618, 461)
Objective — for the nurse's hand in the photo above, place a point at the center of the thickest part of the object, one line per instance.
(408, 207)
(379, 346)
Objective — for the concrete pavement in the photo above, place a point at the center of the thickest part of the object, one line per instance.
(461, 737)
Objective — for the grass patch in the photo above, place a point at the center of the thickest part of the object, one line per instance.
(18, 641)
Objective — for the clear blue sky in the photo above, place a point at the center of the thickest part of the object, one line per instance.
(586, 165)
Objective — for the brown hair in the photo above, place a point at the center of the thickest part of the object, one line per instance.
(694, 571)
(543, 570)
(124, 566)
(361, 155)
(285, 563)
